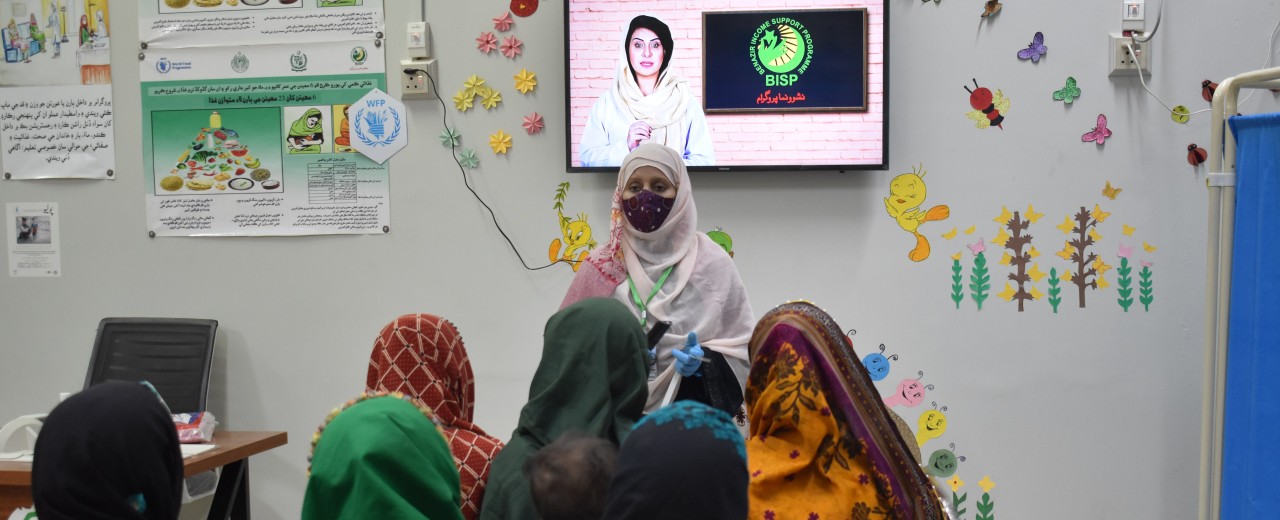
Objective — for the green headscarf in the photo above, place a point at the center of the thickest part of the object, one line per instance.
(382, 457)
(300, 128)
(591, 380)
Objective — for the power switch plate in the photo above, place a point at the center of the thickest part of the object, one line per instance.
(1125, 63)
(418, 40)
(413, 83)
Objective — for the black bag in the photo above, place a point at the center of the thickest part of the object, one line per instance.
(713, 384)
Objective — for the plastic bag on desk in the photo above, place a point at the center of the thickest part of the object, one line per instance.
(194, 427)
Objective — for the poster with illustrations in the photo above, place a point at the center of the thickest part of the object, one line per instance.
(256, 139)
(33, 239)
(56, 116)
(169, 24)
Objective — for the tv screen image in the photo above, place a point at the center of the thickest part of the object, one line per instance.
(760, 85)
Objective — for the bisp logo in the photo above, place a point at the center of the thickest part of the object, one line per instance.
(781, 50)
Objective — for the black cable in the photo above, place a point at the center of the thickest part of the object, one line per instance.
(453, 152)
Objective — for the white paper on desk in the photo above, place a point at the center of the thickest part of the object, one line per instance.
(191, 450)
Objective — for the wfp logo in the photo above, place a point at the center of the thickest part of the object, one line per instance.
(781, 50)
(378, 124)
(163, 66)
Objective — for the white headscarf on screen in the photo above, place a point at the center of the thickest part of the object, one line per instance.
(665, 107)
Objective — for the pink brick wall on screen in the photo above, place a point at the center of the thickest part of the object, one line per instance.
(746, 139)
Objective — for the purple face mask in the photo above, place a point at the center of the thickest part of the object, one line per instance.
(647, 210)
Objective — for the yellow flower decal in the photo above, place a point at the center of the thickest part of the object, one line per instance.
(986, 484)
(491, 98)
(463, 101)
(955, 483)
(473, 84)
(1003, 217)
(1067, 225)
(500, 142)
(525, 81)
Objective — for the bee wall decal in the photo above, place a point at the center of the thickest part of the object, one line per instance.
(988, 109)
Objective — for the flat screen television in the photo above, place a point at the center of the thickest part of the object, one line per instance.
(778, 85)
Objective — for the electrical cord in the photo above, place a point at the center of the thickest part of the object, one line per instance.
(453, 152)
(1265, 64)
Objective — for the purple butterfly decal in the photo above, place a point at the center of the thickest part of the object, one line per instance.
(1100, 133)
(1035, 49)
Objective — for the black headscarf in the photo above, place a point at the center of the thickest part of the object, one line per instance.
(100, 449)
(664, 35)
(686, 460)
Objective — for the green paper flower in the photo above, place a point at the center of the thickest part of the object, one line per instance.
(469, 158)
(450, 138)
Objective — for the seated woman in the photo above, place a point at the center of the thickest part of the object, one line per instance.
(648, 102)
(381, 456)
(110, 451)
(306, 133)
(422, 355)
(659, 265)
(684, 461)
(820, 432)
(590, 380)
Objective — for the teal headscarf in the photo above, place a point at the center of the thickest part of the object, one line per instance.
(591, 380)
(382, 457)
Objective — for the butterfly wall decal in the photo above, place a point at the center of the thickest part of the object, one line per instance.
(1035, 49)
(1068, 93)
(991, 8)
(1196, 155)
(1110, 192)
(1100, 133)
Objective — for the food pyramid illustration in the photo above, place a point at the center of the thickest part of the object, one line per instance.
(215, 159)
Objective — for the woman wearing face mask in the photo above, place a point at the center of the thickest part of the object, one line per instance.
(657, 263)
(647, 103)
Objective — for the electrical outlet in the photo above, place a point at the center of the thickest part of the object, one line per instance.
(413, 79)
(1126, 63)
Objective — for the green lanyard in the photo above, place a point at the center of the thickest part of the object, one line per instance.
(644, 305)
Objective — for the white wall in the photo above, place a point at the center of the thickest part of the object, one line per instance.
(1089, 413)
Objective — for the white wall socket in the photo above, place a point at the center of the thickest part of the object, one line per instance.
(414, 84)
(1125, 63)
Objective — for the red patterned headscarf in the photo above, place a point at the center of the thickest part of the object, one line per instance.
(422, 355)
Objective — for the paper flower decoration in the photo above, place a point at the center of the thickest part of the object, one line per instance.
(500, 142)
(490, 98)
(450, 138)
(487, 42)
(533, 123)
(525, 81)
(511, 47)
(473, 84)
(955, 483)
(463, 100)
(502, 23)
(468, 158)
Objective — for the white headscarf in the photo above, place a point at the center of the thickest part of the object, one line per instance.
(702, 294)
(665, 107)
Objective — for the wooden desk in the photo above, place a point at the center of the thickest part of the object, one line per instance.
(231, 500)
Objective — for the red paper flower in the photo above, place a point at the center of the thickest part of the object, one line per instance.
(511, 47)
(533, 123)
(502, 23)
(487, 42)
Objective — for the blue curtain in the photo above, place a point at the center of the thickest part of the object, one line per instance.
(1251, 441)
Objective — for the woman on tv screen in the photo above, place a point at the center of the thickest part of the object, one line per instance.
(648, 102)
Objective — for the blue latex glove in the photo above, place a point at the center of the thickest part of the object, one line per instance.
(688, 359)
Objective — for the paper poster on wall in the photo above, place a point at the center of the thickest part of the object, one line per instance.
(56, 116)
(172, 24)
(33, 239)
(258, 140)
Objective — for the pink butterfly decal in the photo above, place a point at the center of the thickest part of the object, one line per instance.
(1035, 49)
(1100, 133)
(1125, 252)
(977, 248)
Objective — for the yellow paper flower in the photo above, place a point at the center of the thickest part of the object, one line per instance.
(1035, 273)
(1003, 217)
(1004, 260)
(463, 101)
(955, 483)
(473, 84)
(525, 81)
(1007, 293)
(1032, 215)
(986, 484)
(1067, 251)
(1035, 293)
(1067, 225)
(1001, 237)
(491, 99)
(500, 142)
(1098, 214)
